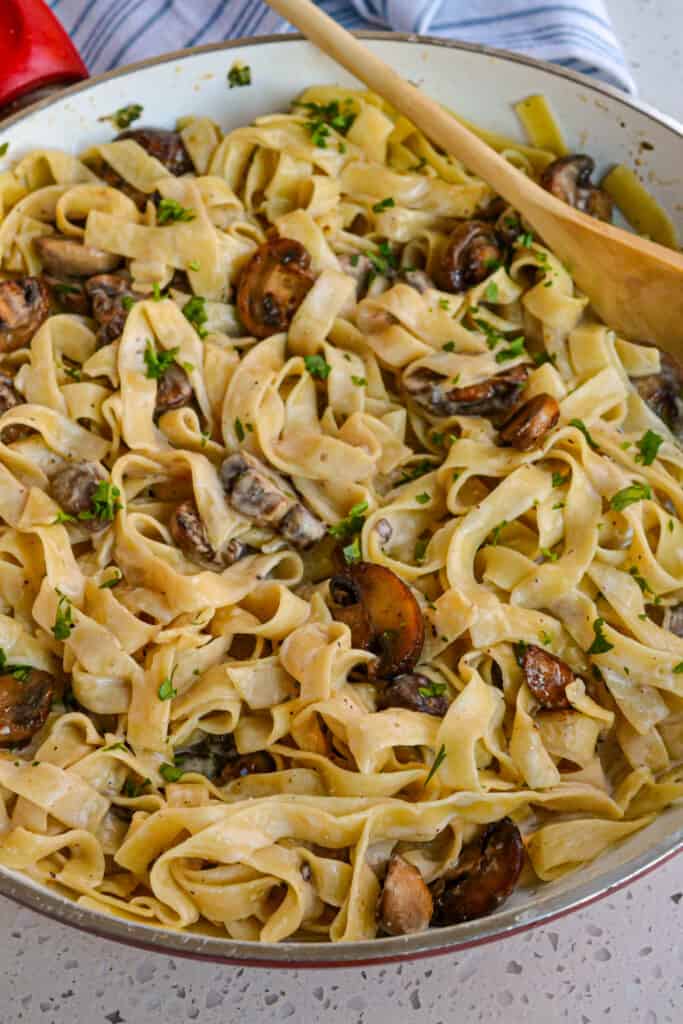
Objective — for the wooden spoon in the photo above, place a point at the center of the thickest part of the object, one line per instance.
(636, 286)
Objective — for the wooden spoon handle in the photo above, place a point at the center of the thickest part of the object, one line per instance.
(440, 126)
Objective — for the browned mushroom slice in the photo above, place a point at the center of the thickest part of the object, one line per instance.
(189, 534)
(273, 285)
(569, 178)
(69, 293)
(491, 397)
(24, 306)
(405, 904)
(24, 705)
(67, 257)
(9, 399)
(173, 390)
(258, 493)
(112, 297)
(258, 763)
(547, 677)
(165, 146)
(509, 227)
(208, 756)
(416, 693)
(529, 424)
(74, 487)
(662, 392)
(674, 619)
(488, 874)
(382, 614)
(471, 253)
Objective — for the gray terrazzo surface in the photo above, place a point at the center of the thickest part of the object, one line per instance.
(620, 960)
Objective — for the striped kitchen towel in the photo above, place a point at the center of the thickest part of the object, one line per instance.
(577, 34)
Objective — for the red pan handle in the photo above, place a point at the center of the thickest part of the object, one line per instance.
(36, 54)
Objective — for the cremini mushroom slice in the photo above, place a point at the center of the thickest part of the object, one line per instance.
(414, 692)
(189, 534)
(529, 424)
(382, 614)
(405, 904)
(174, 390)
(491, 397)
(273, 285)
(257, 763)
(9, 399)
(207, 755)
(484, 878)
(73, 488)
(547, 677)
(24, 306)
(112, 297)
(67, 257)
(673, 619)
(569, 178)
(69, 293)
(662, 391)
(472, 251)
(260, 494)
(164, 145)
(25, 697)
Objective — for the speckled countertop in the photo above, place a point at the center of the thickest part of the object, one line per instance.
(620, 960)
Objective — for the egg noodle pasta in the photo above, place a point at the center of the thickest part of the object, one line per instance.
(341, 574)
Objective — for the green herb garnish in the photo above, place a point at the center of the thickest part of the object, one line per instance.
(239, 75)
(239, 429)
(158, 362)
(171, 772)
(496, 532)
(449, 346)
(63, 620)
(124, 116)
(317, 366)
(438, 761)
(166, 690)
(491, 293)
(383, 204)
(560, 478)
(170, 210)
(324, 117)
(384, 259)
(64, 517)
(628, 495)
(350, 524)
(104, 503)
(194, 310)
(352, 551)
(640, 580)
(360, 382)
(3, 148)
(423, 499)
(422, 467)
(600, 644)
(648, 447)
(514, 349)
(421, 545)
(432, 690)
(580, 425)
(112, 582)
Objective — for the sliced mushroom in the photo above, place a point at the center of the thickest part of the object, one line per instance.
(69, 293)
(257, 763)
(73, 488)
(491, 397)
(165, 146)
(569, 178)
(529, 424)
(662, 391)
(470, 255)
(258, 493)
(405, 692)
(405, 904)
(67, 257)
(24, 306)
(174, 390)
(547, 677)
(487, 875)
(509, 226)
(111, 297)
(25, 701)
(9, 399)
(273, 285)
(382, 614)
(674, 619)
(189, 534)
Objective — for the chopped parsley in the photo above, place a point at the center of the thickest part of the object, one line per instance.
(115, 746)
(19, 672)
(63, 619)
(514, 349)
(156, 292)
(648, 447)
(193, 265)
(194, 310)
(63, 517)
(600, 644)
(350, 524)
(560, 478)
(133, 789)
(61, 288)
(326, 116)
(432, 690)
(423, 499)
(493, 337)
(383, 204)
(352, 551)
(72, 371)
(104, 503)
(444, 304)
(580, 425)
(127, 301)
(170, 210)
(360, 382)
(449, 346)
(491, 293)
(157, 363)
(438, 761)
(239, 429)
(628, 495)
(524, 241)
(546, 638)
(550, 556)
(640, 580)
(124, 116)
(239, 75)
(384, 259)
(540, 358)
(112, 582)
(678, 668)
(414, 472)
(496, 532)
(420, 551)
(166, 690)
(317, 366)
(3, 148)
(171, 772)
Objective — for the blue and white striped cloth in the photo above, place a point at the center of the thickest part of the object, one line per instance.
(576, 33)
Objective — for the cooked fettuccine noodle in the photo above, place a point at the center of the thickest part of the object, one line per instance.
(211, 738)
